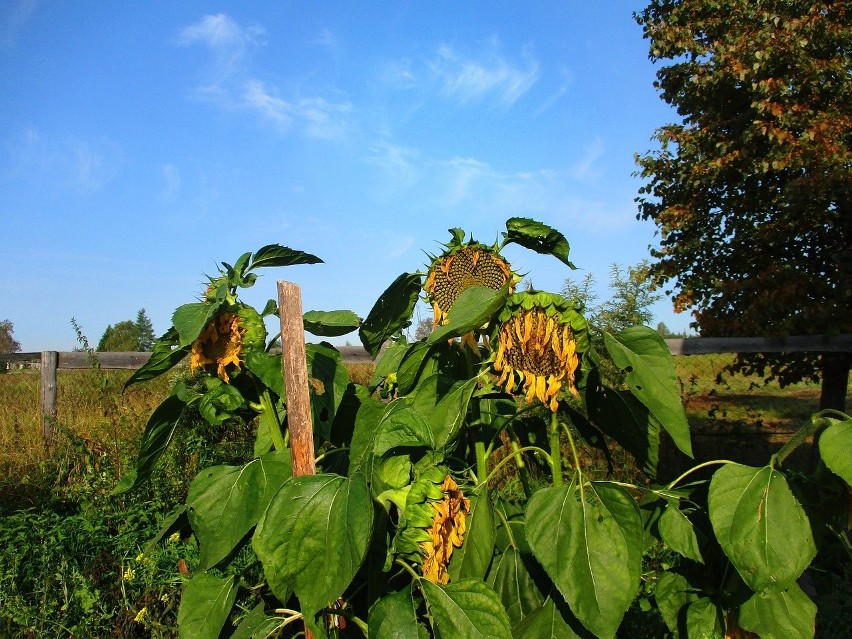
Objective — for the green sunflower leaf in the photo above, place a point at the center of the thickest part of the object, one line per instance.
(678, 533)
(330, 323)
(190, 319)
(394, 617)
(158, 433)
(225, 502)
(704, 620)
(328, 378)
(465, 609)
(205, 605)
(834, 446)
(443, 402)
(391, 312)
(473, 308)
(641, 353)
(551, 621)
(538, 237)
(267, 368)
(672, 593)
(760, 525)
(256, 625)
(313, 538)
(166, 354)
(474, 556)
(512, 579)
(588, 539)
(219, 403)
(789, 614)
(277, 255)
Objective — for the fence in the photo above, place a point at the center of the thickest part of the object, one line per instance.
(51, 361)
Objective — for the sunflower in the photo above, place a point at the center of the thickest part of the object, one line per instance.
(225, 340)
(459, 268)
(539, 342)
(433, 523)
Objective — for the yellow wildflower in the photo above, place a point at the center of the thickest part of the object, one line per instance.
(141, 615)
(129, 574)
(174, 538)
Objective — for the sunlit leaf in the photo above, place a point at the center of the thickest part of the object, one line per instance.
(835, 445)
(313, 538)
(789, 614)
(704, 620)
(402, 428)
(205, 605)
(190, 319)
(225, 502)
(267, 368)
(391, 312)
(551, 621)
(473, 308)
(589, 543)
(443, 401)
(538, 237)
(672, 593)
(641, 353)
(465, 609)
(330, 323)
(257, 625)
(760, 525)
(219, 403)
(277, 255)
(328, 378)
(512, 579)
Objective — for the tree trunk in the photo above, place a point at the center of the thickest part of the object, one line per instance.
(835, 380)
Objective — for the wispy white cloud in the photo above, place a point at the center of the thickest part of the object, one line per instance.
(470, 78)
(327, 39)
(399, 164)
(586, 167)
(317, 117)
(90, 166)
(229, 41)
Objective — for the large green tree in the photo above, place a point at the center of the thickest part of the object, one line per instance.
(129, 335)
(8, 344)
(751, 189)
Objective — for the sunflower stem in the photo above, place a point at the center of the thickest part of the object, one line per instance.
(523, 473)
(574, 454)
(555, 452)
(481, 460)
(269, 418)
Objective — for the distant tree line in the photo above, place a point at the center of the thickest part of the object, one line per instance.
(128, 335)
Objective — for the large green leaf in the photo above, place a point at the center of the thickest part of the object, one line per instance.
(402, 428)
(158, 433)
(512, 580)
(256, 625)
(205, 606)
(267, 368)
(642, 354)
(538, 237)
(394, 617)
(366, 425)
(330, 323)
(190, 319)
(760, 525)
(678, 533)
(474, 556)
(166, 354)
(835, 445)
(474, 307)
(704, 620)
(225, 502)
(328, 378)
(313, 538)
(465, 609)
(589, 542)
(443, 401)
(277, 255)
(219, 403)
(789, 614)
(551, 621)
(391, 312)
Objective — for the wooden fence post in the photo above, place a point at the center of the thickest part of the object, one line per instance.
(49, 362)
(295, 366)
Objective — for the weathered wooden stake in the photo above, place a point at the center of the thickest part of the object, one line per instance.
(49, 362)
(294, 364)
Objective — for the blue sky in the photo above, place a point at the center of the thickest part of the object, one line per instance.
(143, 143)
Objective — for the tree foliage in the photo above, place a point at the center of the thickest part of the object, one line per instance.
(8, 344)
(751, 189)
(128, 335)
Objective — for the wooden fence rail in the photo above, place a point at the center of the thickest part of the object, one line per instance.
(50, 361)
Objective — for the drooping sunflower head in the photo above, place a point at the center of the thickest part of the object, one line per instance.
(540, 339)
(433, 524)
(225, 340)
(460, 267)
